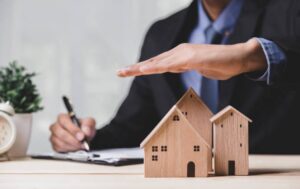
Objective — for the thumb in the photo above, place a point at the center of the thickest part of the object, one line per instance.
(88, 127)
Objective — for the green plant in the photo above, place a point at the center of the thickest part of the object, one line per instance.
(16, 87)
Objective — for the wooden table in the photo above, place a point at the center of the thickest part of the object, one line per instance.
(266, 171)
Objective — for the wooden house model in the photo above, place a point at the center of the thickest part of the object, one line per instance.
(174, 148)
(183, 142)
(231, 142)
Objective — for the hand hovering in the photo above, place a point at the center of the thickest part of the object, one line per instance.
(219, 62)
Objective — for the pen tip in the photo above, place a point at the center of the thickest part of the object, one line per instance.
(86, 146)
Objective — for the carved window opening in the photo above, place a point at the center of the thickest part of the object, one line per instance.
(164, 148)
(154, 158)
(196, 148)
(175, 118)
(154, 148)
(184, 113)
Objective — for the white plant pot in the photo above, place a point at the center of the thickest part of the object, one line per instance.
(23, 124)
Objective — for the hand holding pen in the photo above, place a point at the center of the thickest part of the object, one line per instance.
(67, 137)
(75, 120)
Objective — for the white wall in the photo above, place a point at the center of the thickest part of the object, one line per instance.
(76, 46)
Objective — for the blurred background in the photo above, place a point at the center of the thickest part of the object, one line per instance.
(76, 46)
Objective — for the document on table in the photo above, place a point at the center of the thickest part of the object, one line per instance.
(116, 156)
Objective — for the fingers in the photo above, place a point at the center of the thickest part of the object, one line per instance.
(65, 136)
(140, 68)
(167, 64)
(133, 70)
(176, 60)
(155, 66)
(60, 146)
(66, 139)
(65, 121)
(88, 127)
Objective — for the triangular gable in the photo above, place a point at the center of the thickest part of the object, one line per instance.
(158, 126)
(223, 112)
(199, 114)
(164, 120)
(187, 95)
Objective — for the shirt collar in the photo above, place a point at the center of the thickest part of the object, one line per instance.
(227, 19)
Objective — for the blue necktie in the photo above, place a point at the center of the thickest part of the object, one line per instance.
(209, 87)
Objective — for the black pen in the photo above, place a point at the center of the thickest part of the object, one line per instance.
(74, 119)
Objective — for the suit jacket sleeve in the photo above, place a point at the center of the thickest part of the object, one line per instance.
(286, 76)
(136, 116)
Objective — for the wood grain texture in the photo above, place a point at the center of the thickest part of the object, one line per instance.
(198, 114)
(180, 137)
(231, 143)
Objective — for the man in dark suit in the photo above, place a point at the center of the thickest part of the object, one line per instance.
(259, 76)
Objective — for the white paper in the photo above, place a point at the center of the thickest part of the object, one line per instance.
(108, 155)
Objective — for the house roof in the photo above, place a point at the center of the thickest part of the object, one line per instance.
(187, 94)
(220, 114)
(164, 120)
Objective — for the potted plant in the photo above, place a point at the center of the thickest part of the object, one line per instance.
(16, 87)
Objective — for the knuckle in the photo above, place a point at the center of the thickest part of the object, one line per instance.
(190, 52)
(71, 140)
(54, 128)
(183, 45)
(61, 117)
(90, 121)
(59, 133)
(93, 122)
(71, 128)
(186, 48)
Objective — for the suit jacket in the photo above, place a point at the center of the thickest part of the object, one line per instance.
(274, 109)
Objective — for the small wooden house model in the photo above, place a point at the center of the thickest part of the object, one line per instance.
(175, 148)
(231, 142)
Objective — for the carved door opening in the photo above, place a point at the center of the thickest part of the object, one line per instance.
(231, 167)
(191, 169)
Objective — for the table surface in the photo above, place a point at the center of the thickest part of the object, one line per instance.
(266, 171)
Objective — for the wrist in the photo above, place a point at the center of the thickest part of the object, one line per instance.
(254, 59)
